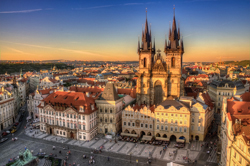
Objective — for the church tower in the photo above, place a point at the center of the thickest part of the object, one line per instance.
(146, 54)
(174, 51)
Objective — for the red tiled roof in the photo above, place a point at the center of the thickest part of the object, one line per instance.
(46, 91)
(245, 96)
(238, 107)
(53, 80)
(61, 100)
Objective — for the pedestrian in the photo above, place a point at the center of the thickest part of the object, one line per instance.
(69, 152)
(108, 158)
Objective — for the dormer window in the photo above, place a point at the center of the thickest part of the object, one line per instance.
(42, 103)
(81, 109)
(92, 107)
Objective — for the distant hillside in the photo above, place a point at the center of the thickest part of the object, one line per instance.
(240, 63)
(13, 68)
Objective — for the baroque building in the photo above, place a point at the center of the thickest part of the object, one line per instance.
(159, 79)
(69, 114)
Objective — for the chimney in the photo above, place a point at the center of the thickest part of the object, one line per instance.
(87, 94)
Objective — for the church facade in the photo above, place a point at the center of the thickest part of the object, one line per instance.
(160, 79)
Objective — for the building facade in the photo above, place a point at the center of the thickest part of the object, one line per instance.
(218, 89)
(69, 114)
(172, 120)
(109, 110)
(7, 115)
(234, 133)
(138, 121)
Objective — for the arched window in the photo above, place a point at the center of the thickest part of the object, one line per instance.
(144, 62)
(172, 62)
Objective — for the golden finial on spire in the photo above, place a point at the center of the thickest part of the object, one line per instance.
(174, 10)
(146, 12)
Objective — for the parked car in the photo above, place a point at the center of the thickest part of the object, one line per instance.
(13, 131)
(16, 124)
(3, 139)
(7, 131)
(4, 133)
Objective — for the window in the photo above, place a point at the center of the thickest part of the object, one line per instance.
(83, 127)
(158, 120)
(64, 124)
(180, 129)
(185, 129)
(171, 129)
(79, 126)
(128, 123)
(110, 120)
(199, 128)
(166, 120)
(150, 126)
(157, 127)
(180, 122)
(162, 114)
(79, 116)
(106, 110)
(70, 115)
(61, 132)
(176, 129)
(111, 111)
(162, 127)
(146, 125)
(192, 119)
(83, 117)
(166, 114)
(106, 120)
(133, 124)
(172, 114)
(162, 120)
(74, 116)
(67, 115)
(144, 62)
(166, 128)
(100, 119)
(100, 110)
(192, 127)
(67, 124)
(124, 123)
(172, 62)
(141, 125)
(176, 122)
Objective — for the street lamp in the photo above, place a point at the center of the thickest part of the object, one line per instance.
(130, 156)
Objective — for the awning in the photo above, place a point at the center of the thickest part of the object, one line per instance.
(147, 138)
(180, 140)
(162, 139)
(129, 135)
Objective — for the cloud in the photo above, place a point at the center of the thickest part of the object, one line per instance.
(21, 11)
(54, 48)
(19, 51)
(106, 6)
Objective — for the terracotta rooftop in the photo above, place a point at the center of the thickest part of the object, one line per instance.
(246, 96)
(62, 100)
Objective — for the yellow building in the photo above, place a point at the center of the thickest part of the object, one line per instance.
(172, 121)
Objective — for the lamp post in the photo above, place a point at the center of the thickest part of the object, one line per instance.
(130, 156)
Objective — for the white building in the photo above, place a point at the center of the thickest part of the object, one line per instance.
(7, 116)
(69, 114)
(49, 82)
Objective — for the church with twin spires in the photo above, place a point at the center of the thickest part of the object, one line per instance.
(160, 79)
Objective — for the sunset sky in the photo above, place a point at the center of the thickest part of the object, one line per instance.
(109, 30)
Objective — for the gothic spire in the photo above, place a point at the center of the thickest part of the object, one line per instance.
(146, 37)
(138, 49)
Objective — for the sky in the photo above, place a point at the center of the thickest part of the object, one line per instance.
(101, 30)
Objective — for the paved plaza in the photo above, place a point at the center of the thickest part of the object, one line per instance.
(120, 152)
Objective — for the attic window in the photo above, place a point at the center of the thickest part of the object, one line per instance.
(240, 111)
(66, 97)
(249, 107)
(77, 98)
(56, 96)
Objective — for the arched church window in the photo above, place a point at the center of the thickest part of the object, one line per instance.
(172, 62)
(144, 62)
